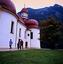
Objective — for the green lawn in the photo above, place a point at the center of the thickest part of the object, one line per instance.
(32, 57)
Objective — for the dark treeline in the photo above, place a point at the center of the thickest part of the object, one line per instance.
(51, 33)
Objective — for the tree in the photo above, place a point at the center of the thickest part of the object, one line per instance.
(51, 33)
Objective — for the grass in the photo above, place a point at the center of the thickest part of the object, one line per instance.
(32, 57)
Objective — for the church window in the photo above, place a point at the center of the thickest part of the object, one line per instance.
(28, 34)
(20, 32)
(12, 27)
(31, 35)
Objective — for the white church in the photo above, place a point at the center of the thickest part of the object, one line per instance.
(17, 26)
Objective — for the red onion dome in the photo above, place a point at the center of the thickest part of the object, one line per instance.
(7, 4)
(31, 23)
(25, 10)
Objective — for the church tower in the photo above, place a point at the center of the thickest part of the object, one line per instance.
(24, 13)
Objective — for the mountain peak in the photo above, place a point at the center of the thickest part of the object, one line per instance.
(55, 11)
(57, 5)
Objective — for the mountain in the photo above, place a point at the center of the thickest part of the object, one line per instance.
(55, 11)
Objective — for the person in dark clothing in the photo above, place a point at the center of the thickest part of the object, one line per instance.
(21, 44)
(18, 44)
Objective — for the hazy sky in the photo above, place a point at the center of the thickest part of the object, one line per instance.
(35, 3)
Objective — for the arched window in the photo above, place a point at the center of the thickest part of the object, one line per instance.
(20, 32)
(31, 35)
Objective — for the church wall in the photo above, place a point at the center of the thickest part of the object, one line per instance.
(5, 29)
(22, 36)
(28, 40)
(35, 42)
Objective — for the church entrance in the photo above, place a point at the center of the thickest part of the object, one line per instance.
(26, 44)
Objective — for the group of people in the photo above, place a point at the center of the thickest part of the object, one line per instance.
(19, 44)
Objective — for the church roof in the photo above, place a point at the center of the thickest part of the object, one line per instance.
(20, 20)
(7, 4)
(31, 23)
(25, 10)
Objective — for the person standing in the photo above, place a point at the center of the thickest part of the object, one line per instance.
(21, 44)
(10, 43)
(18, 44)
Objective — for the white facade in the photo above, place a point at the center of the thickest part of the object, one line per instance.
(28, 40)
(5, 29)
(35, 42)
(22, 33)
